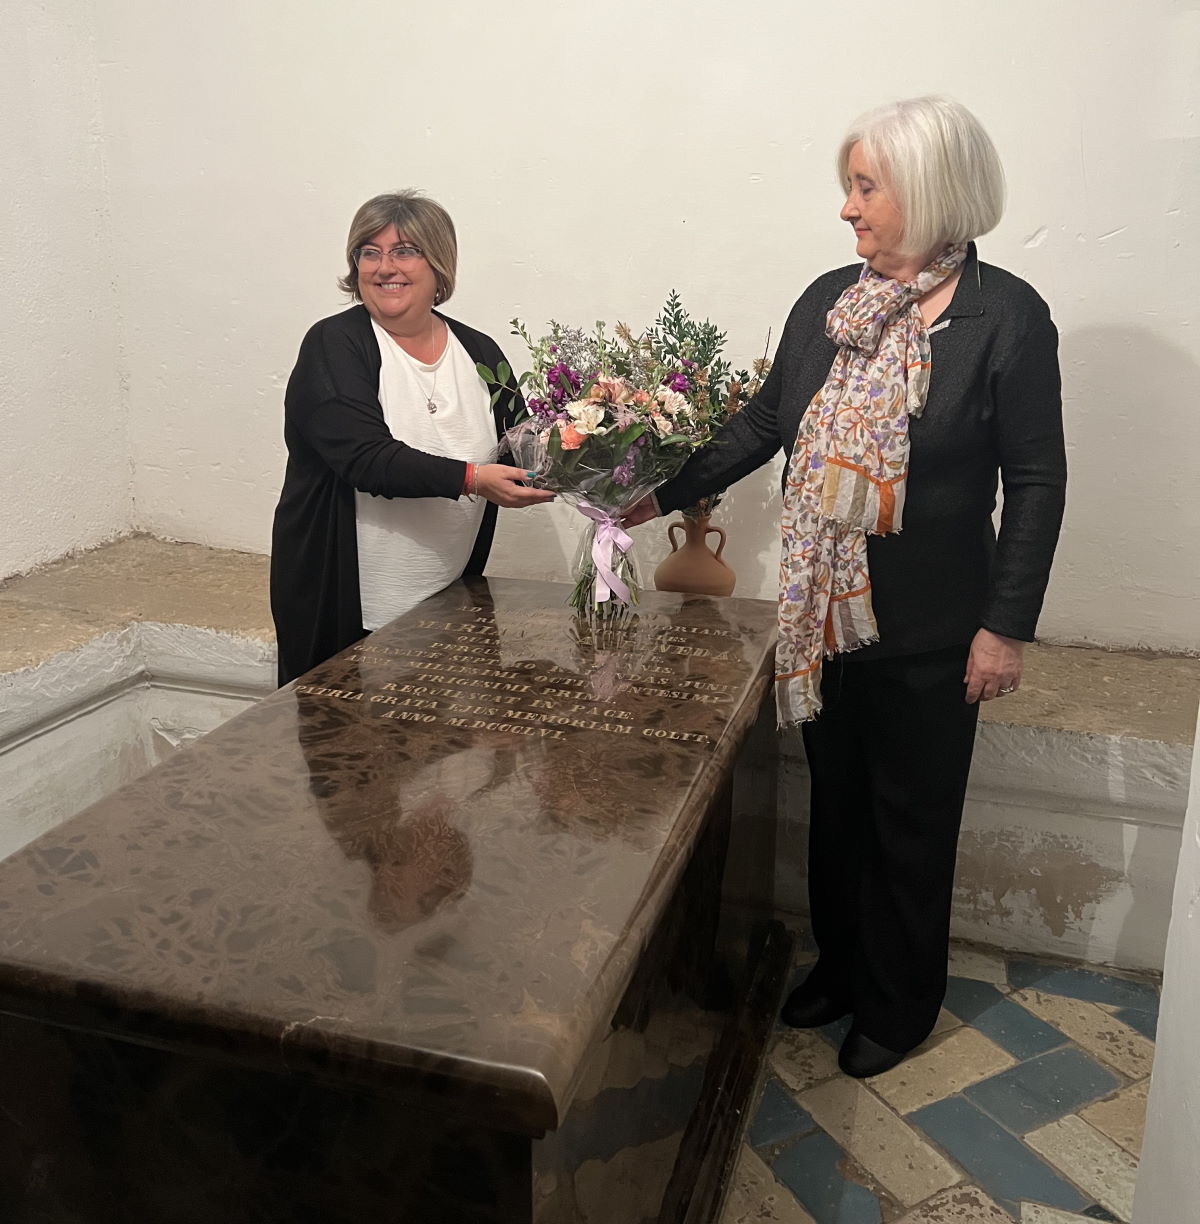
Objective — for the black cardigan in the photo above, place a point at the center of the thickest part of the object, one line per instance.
(994, 405)
(339, 442)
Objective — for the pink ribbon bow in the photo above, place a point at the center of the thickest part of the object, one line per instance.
(609, 538)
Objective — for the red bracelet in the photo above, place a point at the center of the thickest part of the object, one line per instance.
(469, 480)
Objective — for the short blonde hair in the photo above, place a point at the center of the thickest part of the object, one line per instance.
(938, 164)
(425, 222)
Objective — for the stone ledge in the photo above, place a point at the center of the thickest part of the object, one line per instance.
(142, 653)
(1123, 694)
(67, 604)
(1126, 693)
(133, 612)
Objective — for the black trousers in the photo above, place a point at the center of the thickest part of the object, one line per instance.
(889, 756)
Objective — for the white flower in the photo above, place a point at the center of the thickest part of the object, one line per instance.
(671, 401)
(586, 416)
(663, 426)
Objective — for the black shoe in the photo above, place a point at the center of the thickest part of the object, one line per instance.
(811, 1007)
(860, 1057)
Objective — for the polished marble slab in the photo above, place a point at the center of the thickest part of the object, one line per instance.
(442, 870)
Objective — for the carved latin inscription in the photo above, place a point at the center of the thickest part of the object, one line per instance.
(459, 679)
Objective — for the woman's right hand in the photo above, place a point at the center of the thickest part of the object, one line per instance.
(643, 512)
(505, 486)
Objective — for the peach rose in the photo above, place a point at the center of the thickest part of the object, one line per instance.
(641, 397)
(570, 437)
(612, 390)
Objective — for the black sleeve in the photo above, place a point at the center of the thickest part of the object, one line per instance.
(1027, 395)
(750, 438)
(333, 400)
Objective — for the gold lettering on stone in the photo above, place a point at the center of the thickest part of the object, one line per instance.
(424, 691)
(544, 732)
(313, 690)
(660, 733)
(418, 703)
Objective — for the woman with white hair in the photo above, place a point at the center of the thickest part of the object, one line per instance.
(903, 385)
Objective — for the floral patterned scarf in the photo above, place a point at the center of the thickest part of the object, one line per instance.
(847, 476)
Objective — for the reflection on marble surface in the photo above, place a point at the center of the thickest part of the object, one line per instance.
(358, 868)
(448, 867)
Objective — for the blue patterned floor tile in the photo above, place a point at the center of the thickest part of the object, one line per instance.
(778, 1117)
(1084, 984)
(1007, 1023)
(1146, 1022)
(810, 1171)
(1042, 1090)
(1002, 1165)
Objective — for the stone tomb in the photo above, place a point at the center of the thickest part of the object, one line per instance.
(473, 923)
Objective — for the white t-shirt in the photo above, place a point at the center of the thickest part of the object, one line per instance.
(411, 547)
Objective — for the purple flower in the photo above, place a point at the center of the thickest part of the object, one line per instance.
(541, 408)
(556, 376)
(623, 472)
(794, 592)
(678, 382)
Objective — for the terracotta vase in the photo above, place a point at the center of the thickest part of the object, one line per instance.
(694, 567)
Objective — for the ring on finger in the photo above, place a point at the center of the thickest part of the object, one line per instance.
(1004, 692)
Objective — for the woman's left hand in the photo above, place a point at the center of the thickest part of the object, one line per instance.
(994, 666)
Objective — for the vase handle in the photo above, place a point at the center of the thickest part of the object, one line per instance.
(674, 527)
(721, 546)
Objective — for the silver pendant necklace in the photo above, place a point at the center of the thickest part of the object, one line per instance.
(430, 401)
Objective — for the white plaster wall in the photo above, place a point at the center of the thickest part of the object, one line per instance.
(1168, 1185)
(594, 157)
(64, 445)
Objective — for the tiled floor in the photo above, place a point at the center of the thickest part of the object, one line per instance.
(1026, 1104)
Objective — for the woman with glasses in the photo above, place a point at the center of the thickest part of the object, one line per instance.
(388, 496)
(903, 386)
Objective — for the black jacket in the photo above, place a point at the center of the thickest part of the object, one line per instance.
(338, 441)
(994, 405)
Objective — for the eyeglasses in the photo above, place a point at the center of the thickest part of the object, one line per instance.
(399, 254)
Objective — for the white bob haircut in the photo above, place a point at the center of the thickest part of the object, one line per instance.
(938, 165)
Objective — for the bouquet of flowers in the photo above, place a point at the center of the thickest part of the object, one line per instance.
(609, 418)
